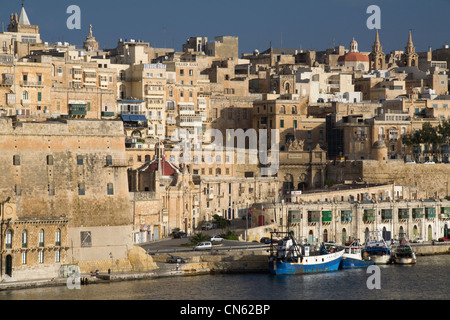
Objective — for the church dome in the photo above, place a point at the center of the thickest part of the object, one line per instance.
(379, 145)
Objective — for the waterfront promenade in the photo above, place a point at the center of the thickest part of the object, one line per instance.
(199, 263)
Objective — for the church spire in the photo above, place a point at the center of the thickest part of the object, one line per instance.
(23, 17)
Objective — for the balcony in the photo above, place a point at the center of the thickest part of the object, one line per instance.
(326, 216)
(77, 110)
(108, 113)
(403, 214)
(386, 214)
(430, 213)
(346, 216)
(313, 216)
(37, 84)
(417, 213)
(445, 213)
(294, 216)
(369, 215)
(190, 121)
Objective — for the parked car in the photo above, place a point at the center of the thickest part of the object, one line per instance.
(175, 259)
(418, 240)
(207, 226)
(179, 234)
(207, 245)
(267, 240)
(216, 239)
(443, 239)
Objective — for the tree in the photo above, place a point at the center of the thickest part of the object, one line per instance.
(220, 221)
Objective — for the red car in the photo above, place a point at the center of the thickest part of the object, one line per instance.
(443, 239)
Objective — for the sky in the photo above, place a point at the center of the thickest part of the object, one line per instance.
(297, 24)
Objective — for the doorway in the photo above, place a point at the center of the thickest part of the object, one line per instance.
(8, 265)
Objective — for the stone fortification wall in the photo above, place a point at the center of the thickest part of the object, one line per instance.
(430, 178)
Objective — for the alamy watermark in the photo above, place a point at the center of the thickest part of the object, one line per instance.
(374, 280)
(248, 147)
(374, 21)
(74, 20)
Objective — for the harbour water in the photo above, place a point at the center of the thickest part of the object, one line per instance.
(428, 279)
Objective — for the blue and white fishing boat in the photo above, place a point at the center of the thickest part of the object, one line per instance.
(376, 249)
(290, 257)
(353, 257)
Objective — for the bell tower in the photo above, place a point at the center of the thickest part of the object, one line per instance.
(410, 57)
(377, 57)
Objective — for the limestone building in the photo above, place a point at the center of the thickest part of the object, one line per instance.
(68, 179)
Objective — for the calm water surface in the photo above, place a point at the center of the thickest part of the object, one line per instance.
(428, 279)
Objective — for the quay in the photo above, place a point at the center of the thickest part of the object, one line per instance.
(199, 263)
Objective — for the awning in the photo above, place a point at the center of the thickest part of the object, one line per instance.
(133, 117)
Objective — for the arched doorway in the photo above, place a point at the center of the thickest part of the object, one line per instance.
(311, 236)
(430, 233)
(415, 232)
(302, 186)
(8, 265)
(325, 235)
(344, 236)
(366, 234)
(401, 232)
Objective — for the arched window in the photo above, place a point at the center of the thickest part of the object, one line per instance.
(294, 110)
(8, 239)
(325, 235)
(41, 238)
(58, 237)
(282, 110)
(25, 95)
(24, 239)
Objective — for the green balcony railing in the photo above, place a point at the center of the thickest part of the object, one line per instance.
(327, 216)
(369, 215)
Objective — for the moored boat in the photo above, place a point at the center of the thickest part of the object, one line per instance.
(376, 249)
(353, 257)
(402, 253)
(289, 257)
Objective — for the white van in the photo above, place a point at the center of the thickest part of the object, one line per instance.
(207, 245)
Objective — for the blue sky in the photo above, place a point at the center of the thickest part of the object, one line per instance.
(306, 24)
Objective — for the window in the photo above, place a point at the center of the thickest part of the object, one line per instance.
(24, 239)
(8, 240)
(80, 160)
(57, 256)
(41, 257)
(16, 160)
(109, 160)
(181, 72)
(110, 189)
(49, 160)
(58, 237)
(39, 96)
(17, 190)
(295, 124)
(281, 123)
(41, 238)
(24, 257)
(81, 191)
(51, 190)
(309, 134)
